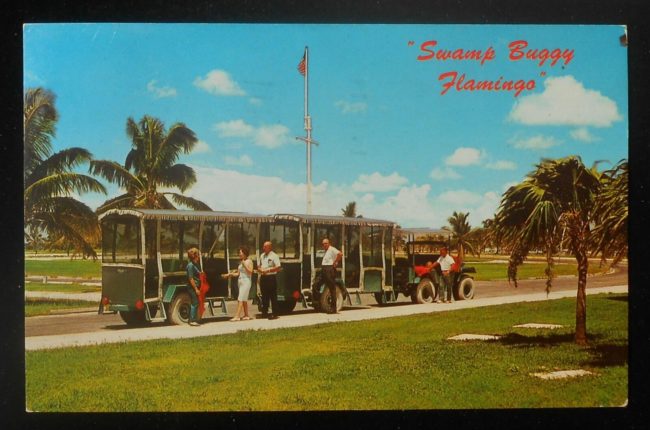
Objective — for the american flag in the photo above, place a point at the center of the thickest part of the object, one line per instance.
(302, 66)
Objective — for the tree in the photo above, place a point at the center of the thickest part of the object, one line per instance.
(558, 194)
(151, 165)
(611, 213)
(50, 180)
(480, 239)
(350, 210)
(460, 229)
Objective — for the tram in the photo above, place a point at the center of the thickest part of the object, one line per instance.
(144, 259)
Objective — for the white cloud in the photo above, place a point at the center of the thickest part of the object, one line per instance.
(376, 182)
(535, 142)
(501, 165)
(255, 101)
(351, 107)
(234, 128)
(439, 174)
(464, 157)
(243, 161)
(368, 198)
(583, 134)
(160, 92)
(565, 101)
(409, 206)
(219, 83)
(268, 136)
(479, 206)
(460, 198)
(271, 136)
(201, 147)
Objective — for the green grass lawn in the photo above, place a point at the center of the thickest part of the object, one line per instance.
(64, 267)
(394, 363)
(484, 271)
(499, 271)
(40, 306)
(62, 288)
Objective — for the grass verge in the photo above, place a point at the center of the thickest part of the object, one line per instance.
(484, 271)
(499, 271)
(39, 306)
(62, 288)
(394, 363)
(65, 267)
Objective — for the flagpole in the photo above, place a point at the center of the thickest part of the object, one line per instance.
(308, 130)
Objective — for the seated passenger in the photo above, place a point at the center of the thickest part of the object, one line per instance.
(423, 270)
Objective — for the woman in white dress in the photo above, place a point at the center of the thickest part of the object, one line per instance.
(244, 272)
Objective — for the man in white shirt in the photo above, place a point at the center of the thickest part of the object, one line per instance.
(268, 265)
(443, 278)
(327, 273)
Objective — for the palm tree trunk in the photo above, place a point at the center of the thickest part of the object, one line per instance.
(579, 233)
(581, 299)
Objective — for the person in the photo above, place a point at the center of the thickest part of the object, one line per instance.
(443, 278)
(327, 273)
(268, 265)
(423, 270)
(193, 283)
(244, 272)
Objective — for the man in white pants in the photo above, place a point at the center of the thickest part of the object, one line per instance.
(327, 274)
(445, 261)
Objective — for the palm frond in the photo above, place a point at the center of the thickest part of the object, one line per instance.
(60, 162)
(39, 126)
(189, 202)
(121, 201)
(61, 184)
(179, 139)
(180, 176)
(115, 173)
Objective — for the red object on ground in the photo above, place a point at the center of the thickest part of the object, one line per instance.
(203, 291)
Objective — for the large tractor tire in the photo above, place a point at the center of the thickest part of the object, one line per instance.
(465, 290)
(133, 318)
(381, 298)
(425, 292)
(179, 310)
(326, 301)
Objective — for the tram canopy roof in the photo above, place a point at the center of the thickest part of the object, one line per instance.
(332, 219)
(424, 231)
(188, 215)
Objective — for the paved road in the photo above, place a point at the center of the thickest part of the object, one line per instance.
(493, 292)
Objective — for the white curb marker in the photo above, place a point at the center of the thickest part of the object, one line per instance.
(474, 337)
(536, 325)
(562, 374)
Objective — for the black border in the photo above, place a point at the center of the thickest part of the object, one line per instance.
(628, 12)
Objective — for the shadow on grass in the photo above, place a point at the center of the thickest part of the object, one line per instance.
(619, 298)
(608, 355)
(601, 355)
(522, 341)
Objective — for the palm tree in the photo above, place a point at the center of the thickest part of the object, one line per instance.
(460, 229)
(350, 210)
(611, 214)
(150, 165)
(50, 180)
(558, 194)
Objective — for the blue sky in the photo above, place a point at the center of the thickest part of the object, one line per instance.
(389, 138)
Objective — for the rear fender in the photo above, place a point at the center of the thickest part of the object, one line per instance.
(171, 292)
